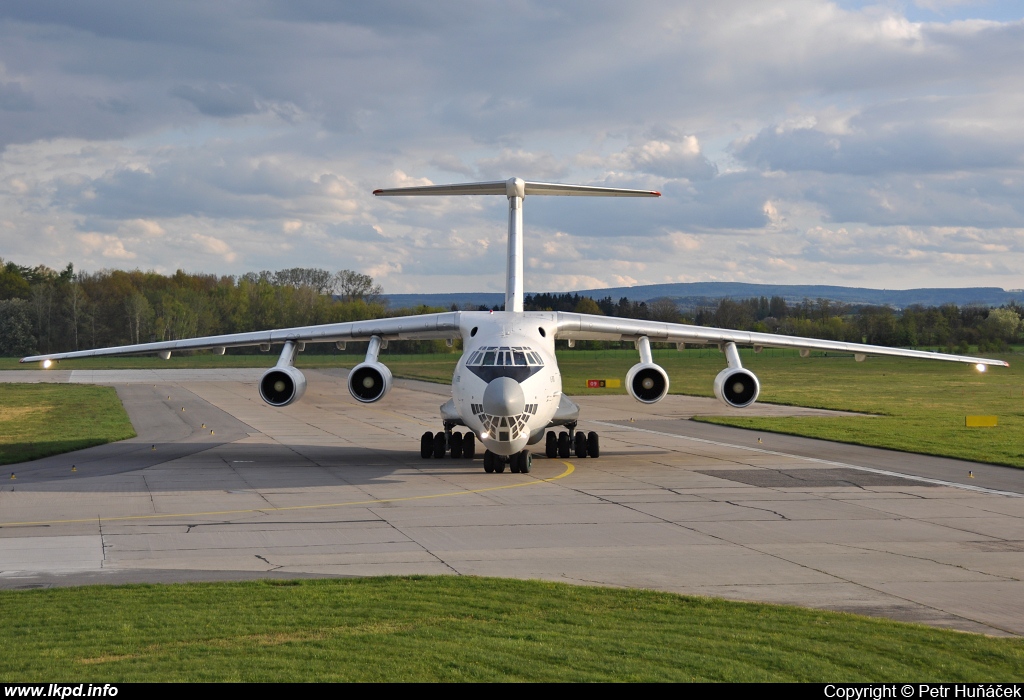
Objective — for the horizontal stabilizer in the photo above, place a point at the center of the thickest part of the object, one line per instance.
(515, 187)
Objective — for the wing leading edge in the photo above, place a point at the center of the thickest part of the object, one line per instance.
(572, 326)
(424, 327)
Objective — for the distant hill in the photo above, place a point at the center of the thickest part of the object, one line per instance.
(689, 294)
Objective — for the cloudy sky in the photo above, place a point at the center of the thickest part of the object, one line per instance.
(871, 144)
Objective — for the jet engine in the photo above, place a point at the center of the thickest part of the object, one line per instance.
(369, 382)
(282, 385)
(647, 382)
(737, 387)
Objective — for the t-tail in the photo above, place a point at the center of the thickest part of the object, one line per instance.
(516, 191)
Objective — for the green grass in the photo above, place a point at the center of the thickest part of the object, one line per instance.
(38, 420)
(463, 629)
(920, 406)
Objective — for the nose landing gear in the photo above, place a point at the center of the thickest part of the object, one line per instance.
(519, 463)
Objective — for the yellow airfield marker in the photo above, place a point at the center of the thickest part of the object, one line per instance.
(981, 421)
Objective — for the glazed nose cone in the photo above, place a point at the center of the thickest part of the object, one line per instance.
(504, 397)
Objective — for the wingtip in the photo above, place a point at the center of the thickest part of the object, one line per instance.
(377, 192)
(655, 193)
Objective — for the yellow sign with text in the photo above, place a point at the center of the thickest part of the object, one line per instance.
(603, 383)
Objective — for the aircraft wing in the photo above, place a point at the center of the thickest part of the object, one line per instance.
(573, 326)
(422, 327)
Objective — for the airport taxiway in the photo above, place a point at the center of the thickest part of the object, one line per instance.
(220, 486)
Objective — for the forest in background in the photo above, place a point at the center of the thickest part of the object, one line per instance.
(44, 310)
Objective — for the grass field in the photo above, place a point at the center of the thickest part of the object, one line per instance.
(38, 420)
(463, 629)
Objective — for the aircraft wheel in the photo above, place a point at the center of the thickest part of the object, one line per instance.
(468, 446)
(593, 445)
(489, 462)
(440, 445)
(563, 445)
(457, 445)
(513, 463)
(427, 445)
(581, 444)
(525, 462)
(551, 444)
(499, 464)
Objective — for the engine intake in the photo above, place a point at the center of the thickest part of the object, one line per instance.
(369, 382)
(281, 386)
(647, 382)
(737, 387)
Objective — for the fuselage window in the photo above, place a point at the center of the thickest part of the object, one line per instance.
(489, 358)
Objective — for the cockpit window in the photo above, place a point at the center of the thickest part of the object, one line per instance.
(505, 357)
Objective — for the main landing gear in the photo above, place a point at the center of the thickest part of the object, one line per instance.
(458, 445)
(583, 444)
(463, 446)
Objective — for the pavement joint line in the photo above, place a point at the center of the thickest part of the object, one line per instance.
(937, 482)
(569, 469)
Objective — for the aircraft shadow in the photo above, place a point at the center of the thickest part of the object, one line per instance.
(226, 466)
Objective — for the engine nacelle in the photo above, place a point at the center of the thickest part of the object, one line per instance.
(369, 382)
(281, 386)
(737, 387)
(647, 382)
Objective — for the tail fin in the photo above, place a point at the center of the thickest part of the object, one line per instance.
(516, 190)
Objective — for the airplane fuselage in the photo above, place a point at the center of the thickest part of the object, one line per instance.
(506, 387)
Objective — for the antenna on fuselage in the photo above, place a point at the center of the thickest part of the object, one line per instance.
(516, 191)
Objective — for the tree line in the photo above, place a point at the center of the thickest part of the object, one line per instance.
(44, 310)
(954, 328)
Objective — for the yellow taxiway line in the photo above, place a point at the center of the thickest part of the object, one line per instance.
(569, 469)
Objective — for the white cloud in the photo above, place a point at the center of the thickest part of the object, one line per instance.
(109, 247)
(215, 246)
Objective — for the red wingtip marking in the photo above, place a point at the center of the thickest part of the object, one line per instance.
(656, 193)
(377, 191)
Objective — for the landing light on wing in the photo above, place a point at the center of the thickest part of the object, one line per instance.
(47, 364)
(980, 367)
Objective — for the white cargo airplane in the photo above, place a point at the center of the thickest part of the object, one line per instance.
(507, 390)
